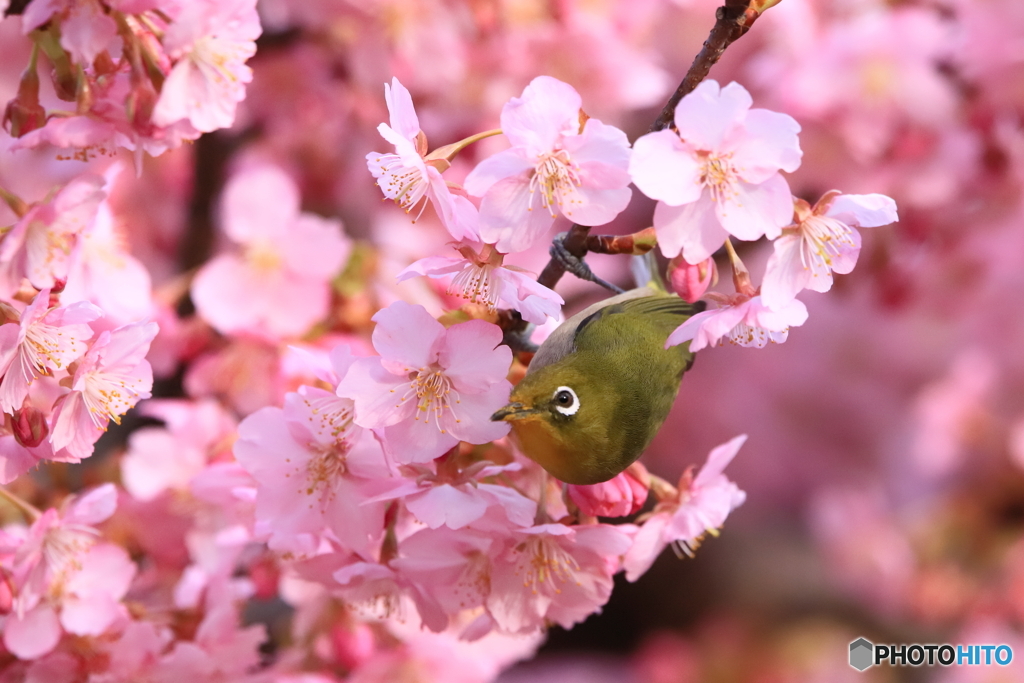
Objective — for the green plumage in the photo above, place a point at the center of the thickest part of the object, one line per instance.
(612, 358)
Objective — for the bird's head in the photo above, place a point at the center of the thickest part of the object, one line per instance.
(559, 419)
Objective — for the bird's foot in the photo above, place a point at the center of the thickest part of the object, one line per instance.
(575, 265)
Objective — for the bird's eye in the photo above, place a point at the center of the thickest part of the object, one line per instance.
(565, 400)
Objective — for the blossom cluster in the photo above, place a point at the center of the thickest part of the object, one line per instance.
(146, 76)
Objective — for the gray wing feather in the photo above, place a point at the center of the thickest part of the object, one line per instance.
(562, 341)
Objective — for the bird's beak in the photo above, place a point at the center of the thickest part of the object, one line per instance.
(513, 411)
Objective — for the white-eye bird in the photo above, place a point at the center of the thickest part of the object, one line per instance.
(601, 385)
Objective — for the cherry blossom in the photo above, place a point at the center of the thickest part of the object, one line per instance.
(62, 578)
(719, 174)
(41, 245)
(742, 320)
(314, 467)
(167, 458)
(211, 42)
(824, 240)
(699, 506)
(560, 163)
(482, 278)
(557, 573)
(280, 282)
(111, 378)
(410, 176)
(86, 29)
(46, 340)
(105, 273)
(431, 387)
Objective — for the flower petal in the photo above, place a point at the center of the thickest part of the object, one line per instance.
(663, 167)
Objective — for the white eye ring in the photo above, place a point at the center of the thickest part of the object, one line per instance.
(569, 408)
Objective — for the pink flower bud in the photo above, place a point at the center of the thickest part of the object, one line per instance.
(30, 426)
(691, 281)
(621, 495)
(353, 644)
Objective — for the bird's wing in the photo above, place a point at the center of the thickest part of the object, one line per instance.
(664, 313)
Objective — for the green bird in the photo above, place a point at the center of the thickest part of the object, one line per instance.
(600, 386)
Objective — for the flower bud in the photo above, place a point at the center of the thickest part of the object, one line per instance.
(623, 494)
(29, 426)
(353, 644)
(691, 281)
(24, 114)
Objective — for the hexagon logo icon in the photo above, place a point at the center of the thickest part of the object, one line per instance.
(861, 654)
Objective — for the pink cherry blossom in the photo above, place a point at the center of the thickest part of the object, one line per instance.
(85, 28)
(409, 176)
(482, 277)
(89, 599)
(457, 498)
(699, 506)
(279, 284)
(824, 240)
(105, 273)
(47, 340)
(52, 549)
(743, 320)
(555, 573)
(210, 42)
(41, 245)
(719, 175)
(167, 458)
(313, 467)
(111, 378)
(556, 166)
(432, 387)
(624, 494)
(689, 280)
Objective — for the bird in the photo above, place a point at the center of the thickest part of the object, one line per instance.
(599, 388)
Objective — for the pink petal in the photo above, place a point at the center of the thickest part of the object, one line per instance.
(665, 168)
(511, 217)
(447, 505)
(647, 545)
(32, 636)
(708, 116)
(377, 394)
(93, 507)
(403, 114)
(15, 459)
(691, 229)
(315, 247)
(718, 459)
(472, 356)
(259, 202)
(843, 262)
(596, 206)
(431, 266)
(86, 32)
(511, 162)
(474, 415)
(406, 336)
(769, 143)
(417, 440)
(785, 274)
(599, 143)
(756, 210)
(547, 110)
(863, 210)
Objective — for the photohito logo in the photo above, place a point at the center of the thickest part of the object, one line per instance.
(864, 653)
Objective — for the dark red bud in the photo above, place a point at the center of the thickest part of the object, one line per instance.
(30, 427)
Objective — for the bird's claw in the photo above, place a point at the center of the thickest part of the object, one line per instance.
(575, 265)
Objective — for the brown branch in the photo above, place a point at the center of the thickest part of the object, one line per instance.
(732, 20)
(637, 244)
